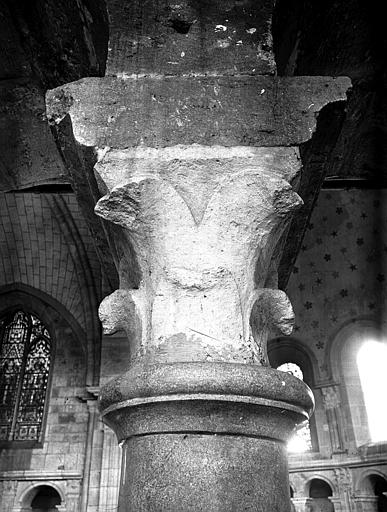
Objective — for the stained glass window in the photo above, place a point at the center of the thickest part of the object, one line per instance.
(25, 358)
(301, 441)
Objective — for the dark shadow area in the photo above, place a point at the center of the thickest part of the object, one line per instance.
(46, 499)
(380, 490)
(320, 491)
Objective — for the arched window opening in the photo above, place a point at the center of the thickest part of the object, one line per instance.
(320, 491)
(46, 500)
(374, 488)
(301, 440)
(25, 360)
(372, 363)
(380, 490)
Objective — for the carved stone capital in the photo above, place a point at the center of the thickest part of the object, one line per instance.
(343, 478)
(197, 163)
(202, 225)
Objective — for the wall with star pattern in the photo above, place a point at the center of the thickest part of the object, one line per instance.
(340, 274)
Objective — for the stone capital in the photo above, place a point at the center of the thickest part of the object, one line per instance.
(198, 166)
(202, 225)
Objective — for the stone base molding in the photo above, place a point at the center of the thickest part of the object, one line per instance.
(191, 429)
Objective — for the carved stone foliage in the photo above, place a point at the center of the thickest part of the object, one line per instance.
(198, 173)
(203, 224)
(343, 478)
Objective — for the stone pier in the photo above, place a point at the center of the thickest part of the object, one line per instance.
(198, 164)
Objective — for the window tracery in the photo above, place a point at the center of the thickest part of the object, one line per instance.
(25, 360)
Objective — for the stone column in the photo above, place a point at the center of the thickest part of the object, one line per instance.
(332, 406)
(338, 504)
(344, 484)
(93, 459)
(73, 492)
(197, 159)
(204, 423)
(302, 504)
(366, 503)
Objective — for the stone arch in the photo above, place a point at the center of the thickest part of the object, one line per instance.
(68, 272)
(282, 349)
(341, 335)
(287, 349)
(342, 352)
(367, 478)
(318, 476)
(27, 496)
(34, 369)
(66, 336)
(371, 490)
(320, 492)
(36, 301)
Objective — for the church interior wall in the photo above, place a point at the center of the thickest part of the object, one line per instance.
(49, 264)
(332, 302)
(337, 289)
(59, 456)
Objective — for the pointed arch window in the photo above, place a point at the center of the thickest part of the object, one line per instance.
(25, 361)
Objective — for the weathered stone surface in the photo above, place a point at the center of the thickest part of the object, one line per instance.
(165, 111)
(203, 473)
(208, 426)
(198, 168)
(204, 223)
(213, 414)
(178, 378)
(205, 36)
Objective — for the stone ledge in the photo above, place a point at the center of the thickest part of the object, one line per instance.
(211, 415)
(40, 475)
(165, 111)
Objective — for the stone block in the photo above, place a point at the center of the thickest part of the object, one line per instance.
(66, 418)
(160, 112)
(192, 36)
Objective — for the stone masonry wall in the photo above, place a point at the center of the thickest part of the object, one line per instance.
(338, 288)
(60, 458)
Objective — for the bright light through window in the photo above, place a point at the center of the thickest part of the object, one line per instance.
(372, 365)
(301, 441)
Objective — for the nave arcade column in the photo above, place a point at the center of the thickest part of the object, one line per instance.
(303, 504)
(198, 165)
(366, 503)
